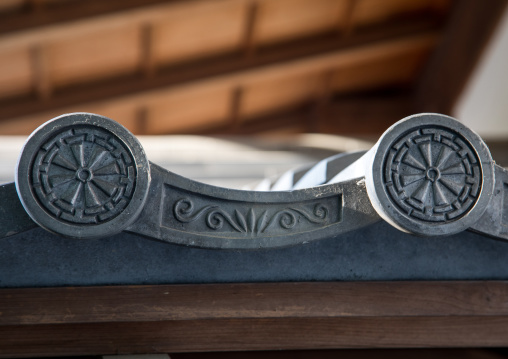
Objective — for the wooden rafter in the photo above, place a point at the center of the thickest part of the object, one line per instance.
(78, 16)
(345, 115)
(464, 40)
(307, 56)
(179, 318)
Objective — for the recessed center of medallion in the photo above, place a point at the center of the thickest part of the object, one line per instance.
(433, 174)
(84, 174)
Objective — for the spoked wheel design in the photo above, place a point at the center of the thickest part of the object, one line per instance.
(430, 175)
(83, 176)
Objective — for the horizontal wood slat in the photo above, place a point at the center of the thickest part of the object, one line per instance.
(279, 63)
(344, 115)
(263, 316)
(252, 334)
(76, 18)
(241, 301)
(277, 19)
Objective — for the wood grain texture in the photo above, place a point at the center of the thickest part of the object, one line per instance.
(367, 114)
(252, 334)
(269, 316)
(467, 33)
(16, 74)
(95, 55)
(198, 30)
(280, 63)
(281, 18)
(446, 353)
(139, 54)
(269, 300)
(71, 18)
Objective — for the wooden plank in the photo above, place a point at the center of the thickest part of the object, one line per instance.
(420, 353)
(362, 114)
(199, 30)
(187, 109)
(394, 69)
(365, 115)
(249, 30)
(346, 26)
(41, 79)
(146, 62)
(282, 62)
(282, 20)
(269, 300)
(467, 33)
(77, 18)
(370, 12)
(15, 72)
(252, 334)
(287, 121)
(278, 94)
(96, 55)
(8, 6)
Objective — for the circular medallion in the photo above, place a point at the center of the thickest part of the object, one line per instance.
(431, 175)
(83, 176)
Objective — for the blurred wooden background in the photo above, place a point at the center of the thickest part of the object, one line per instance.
(237, 66)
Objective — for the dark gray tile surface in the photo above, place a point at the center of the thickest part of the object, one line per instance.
(379, 252)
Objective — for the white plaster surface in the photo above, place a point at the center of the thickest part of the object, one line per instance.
(484, 103)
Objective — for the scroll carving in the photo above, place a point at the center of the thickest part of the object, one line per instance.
(259, 221)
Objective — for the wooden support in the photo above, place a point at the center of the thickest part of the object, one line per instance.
(75, 17)
(236, 103)
(269, 316)
(294, 59)
(317, 116)
(142, 119)
(465, 38)
(250, 29)
(35, 5)
(147, 63)
(347, 22)
(295, 119)
(363, 114)
(367, 114)
(40, 73)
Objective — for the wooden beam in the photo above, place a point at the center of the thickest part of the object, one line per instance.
(73, 18)
(347, 21)
(294, 118)
(142, 117)
(273, 300)
(264, 316)
(252, 334)
(367, 114)
(146, 61)
(322, 101)
(314, 55)
(361, 114)
(40, 75)
(249, 36)
(419, 353)
(465, 38)
(235, 107)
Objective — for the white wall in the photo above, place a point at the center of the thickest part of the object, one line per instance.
(484, 104)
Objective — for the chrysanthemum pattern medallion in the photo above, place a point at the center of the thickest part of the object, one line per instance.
(84, 175)
(432, 175)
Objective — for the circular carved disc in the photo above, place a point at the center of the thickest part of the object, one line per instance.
(83, 176)
(431, 175)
